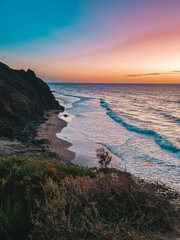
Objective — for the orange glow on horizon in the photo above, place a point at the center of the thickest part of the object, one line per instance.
(137, 46)
(149, 58)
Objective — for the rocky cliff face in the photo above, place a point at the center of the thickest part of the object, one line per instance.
(23, 97)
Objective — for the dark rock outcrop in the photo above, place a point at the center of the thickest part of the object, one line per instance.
(23, 98)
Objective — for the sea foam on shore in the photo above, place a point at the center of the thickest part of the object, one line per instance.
(85, 150)
(137, 123)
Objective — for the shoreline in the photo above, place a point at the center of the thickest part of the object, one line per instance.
(48, 131)
(43, 141)
(55, 141)
(88, 159)
(85, 150)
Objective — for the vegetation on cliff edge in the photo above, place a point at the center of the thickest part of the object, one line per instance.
(42, 199)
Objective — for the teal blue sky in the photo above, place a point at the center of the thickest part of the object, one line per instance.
(91, 40)
(25, 20)
(35, 27)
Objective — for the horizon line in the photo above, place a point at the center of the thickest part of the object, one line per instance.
(153, 83)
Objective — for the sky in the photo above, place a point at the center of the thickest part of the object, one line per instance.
(110, 41)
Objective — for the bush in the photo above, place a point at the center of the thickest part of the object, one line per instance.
(20, 179)
(42, 199)
(105, 208)
(104, 157)
(77, 170)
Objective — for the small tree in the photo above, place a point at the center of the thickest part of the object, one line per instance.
(104, 157)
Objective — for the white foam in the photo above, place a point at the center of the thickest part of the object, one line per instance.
(84, 149)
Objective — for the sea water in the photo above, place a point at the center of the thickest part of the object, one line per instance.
(139, 123)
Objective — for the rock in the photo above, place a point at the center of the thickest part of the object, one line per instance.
(57, 112)
(23, 97)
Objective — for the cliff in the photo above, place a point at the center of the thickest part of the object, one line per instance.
(23, 97)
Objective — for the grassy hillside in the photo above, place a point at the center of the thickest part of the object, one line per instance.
(41, 199)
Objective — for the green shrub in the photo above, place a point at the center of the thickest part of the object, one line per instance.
(15, 168)
(20, 179)
(77, 170)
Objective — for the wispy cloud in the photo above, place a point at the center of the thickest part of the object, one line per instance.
(153, 74)
(176, 71)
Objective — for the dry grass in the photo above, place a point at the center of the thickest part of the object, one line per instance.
(45, 200)
(105, 208)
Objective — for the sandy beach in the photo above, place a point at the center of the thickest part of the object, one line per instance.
(65, 143)
(85, 150)
(52, 144)
(45, 144)
(56, 140)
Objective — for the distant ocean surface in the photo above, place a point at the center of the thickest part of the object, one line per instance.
(139, 123)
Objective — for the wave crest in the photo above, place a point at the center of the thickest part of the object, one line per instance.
(160, 140)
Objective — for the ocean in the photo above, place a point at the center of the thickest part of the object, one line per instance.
(139, 123)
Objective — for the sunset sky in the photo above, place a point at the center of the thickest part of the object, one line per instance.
(93, 40)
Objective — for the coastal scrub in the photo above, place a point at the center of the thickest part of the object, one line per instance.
(42, 199)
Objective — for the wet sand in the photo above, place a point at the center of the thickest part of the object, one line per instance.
(48, 130)
(56, 140)
(85, 150)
